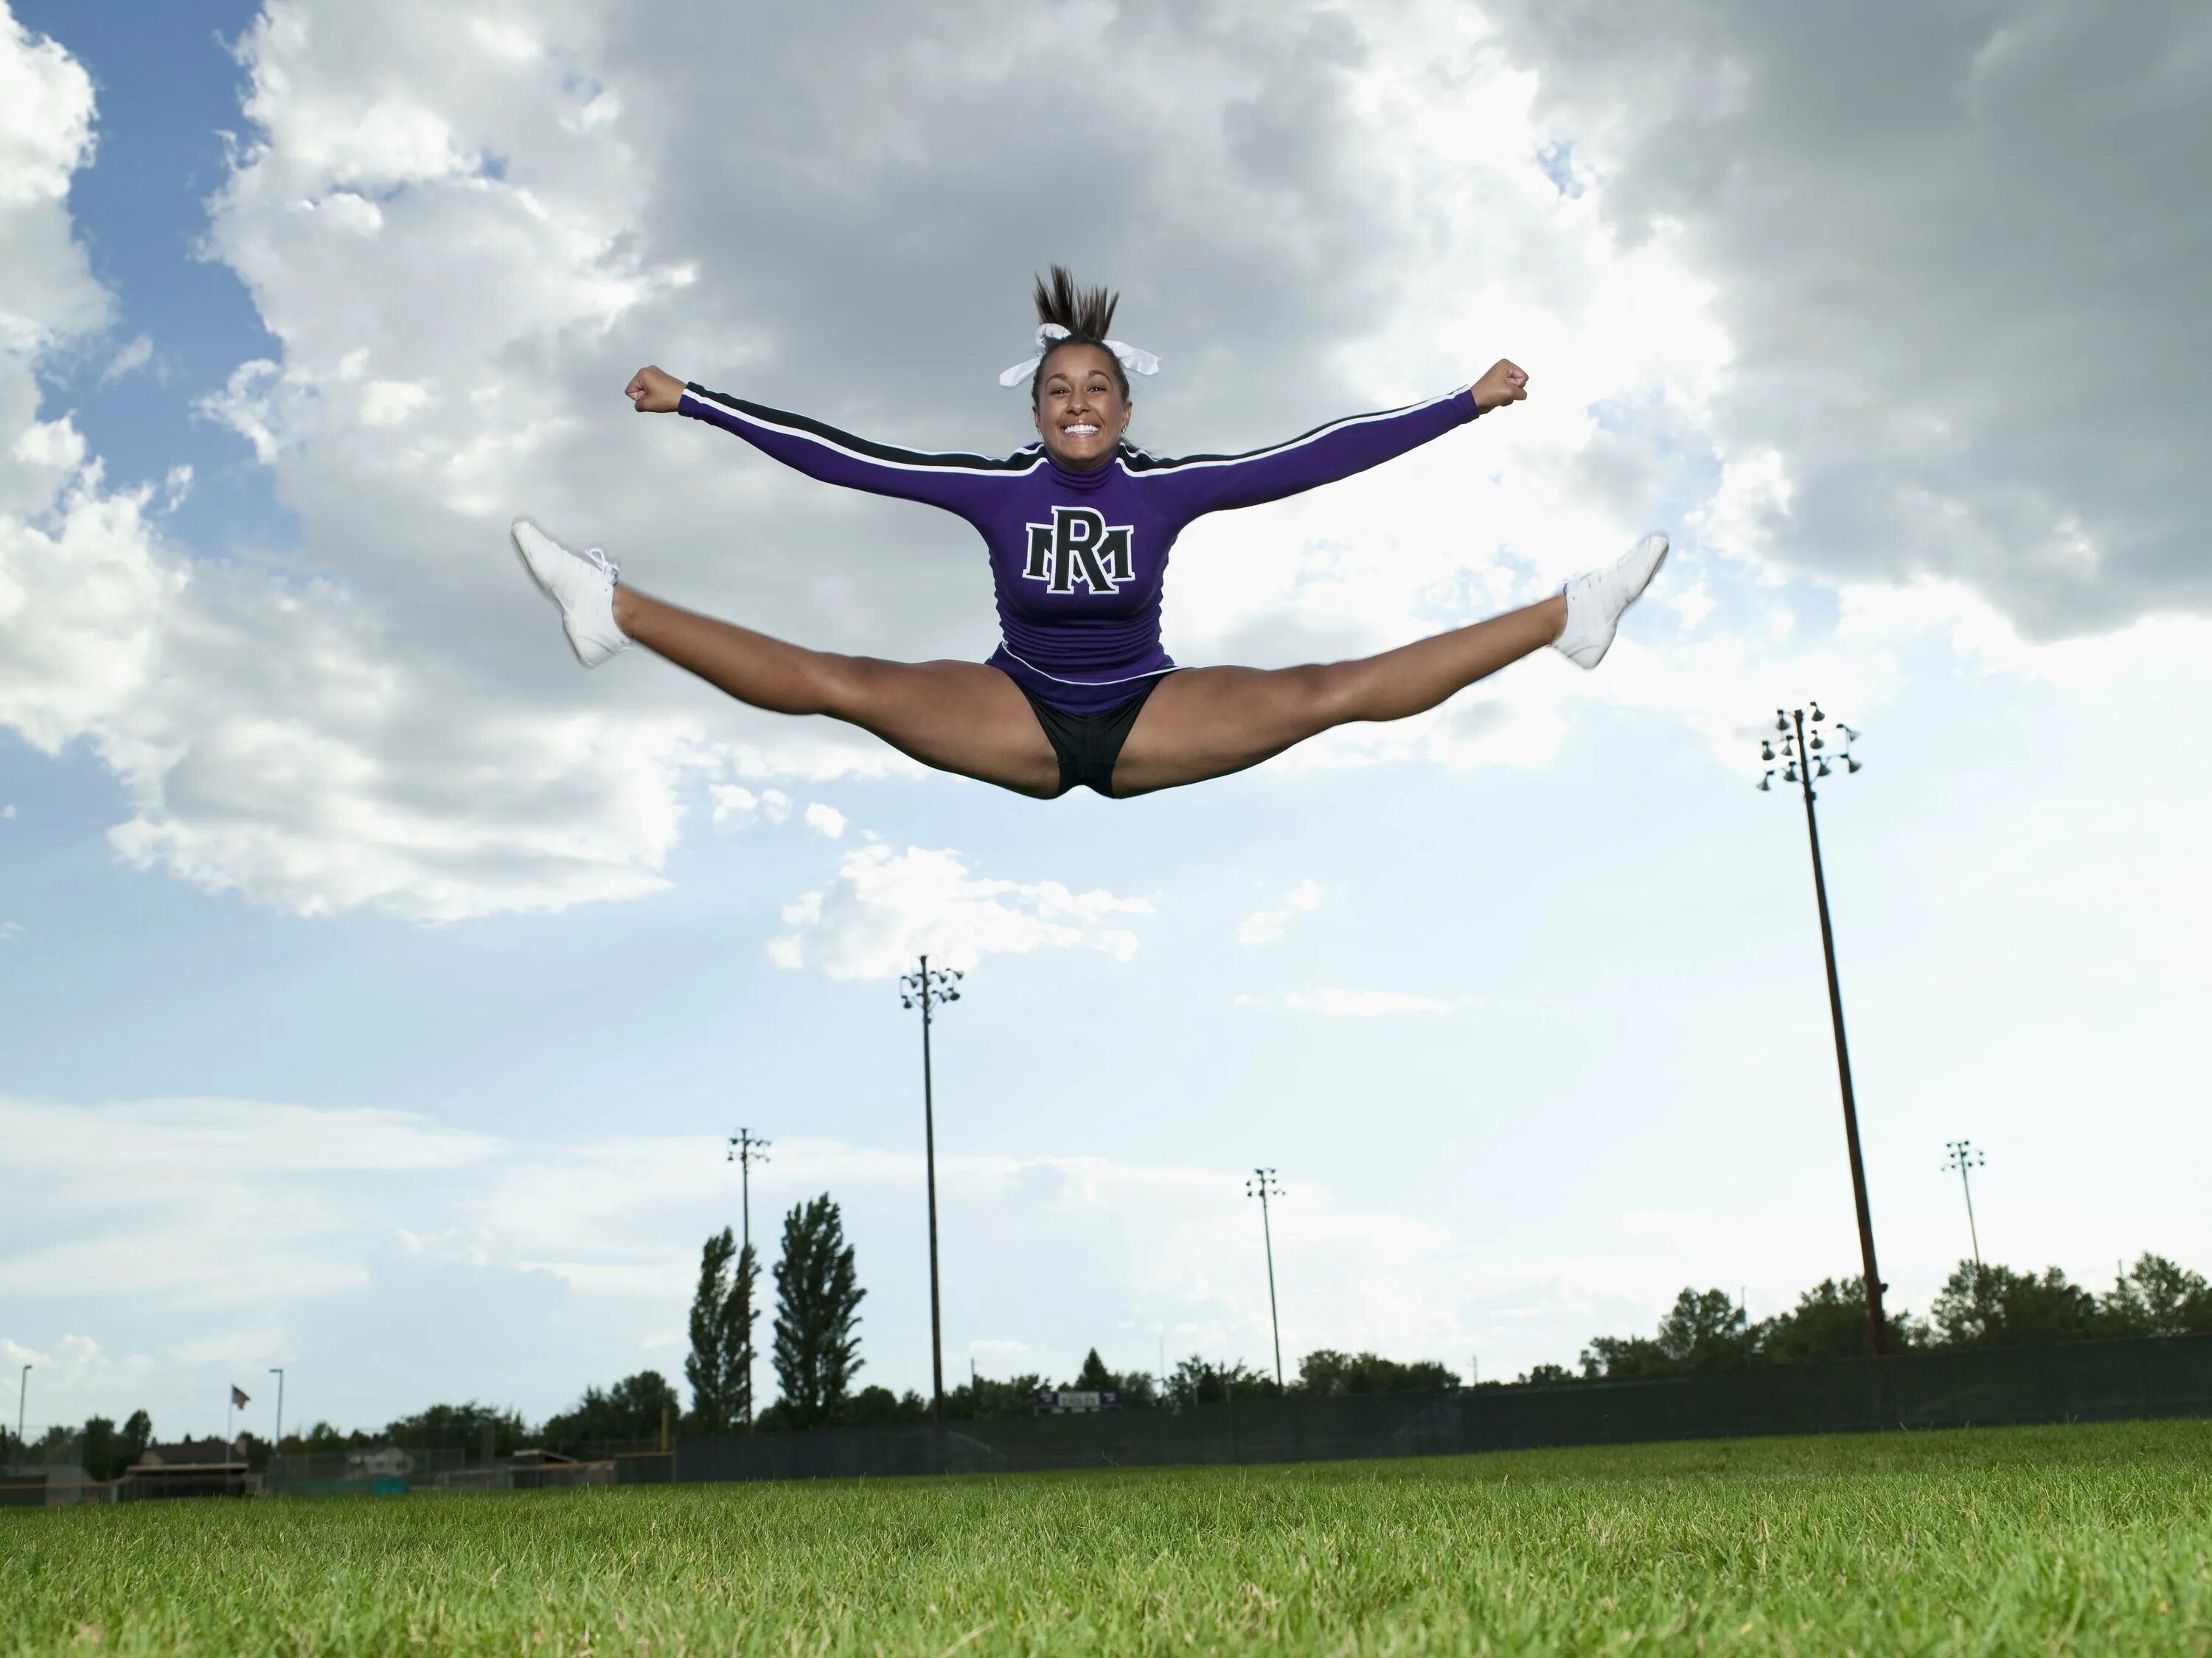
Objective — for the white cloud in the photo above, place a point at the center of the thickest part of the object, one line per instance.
(885, 908)
(387, 403)
(45, 137)
(207, 1202)
(128, 361)
(262, 1233)
(10, 930)
(1895, 294)
(272, 736)
(1265, 926)
(826, 821)
(1339, 1004)
(738, 807)
(470, 370)
(120, 1148)
(542, 199)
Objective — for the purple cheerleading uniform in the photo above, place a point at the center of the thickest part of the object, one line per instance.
(1078, 559)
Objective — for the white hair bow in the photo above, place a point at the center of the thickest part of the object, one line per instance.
(1134, 359)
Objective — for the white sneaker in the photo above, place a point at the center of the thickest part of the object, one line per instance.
(1595, 601)
(583, 585)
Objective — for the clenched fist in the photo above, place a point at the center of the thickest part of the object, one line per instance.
(657, 392)
(1504, 383)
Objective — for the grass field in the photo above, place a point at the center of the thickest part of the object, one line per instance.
(2043, 1540)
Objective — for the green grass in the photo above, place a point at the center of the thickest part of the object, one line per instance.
(2058, 1540)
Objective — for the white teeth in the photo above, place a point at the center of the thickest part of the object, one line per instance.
(1080, 431)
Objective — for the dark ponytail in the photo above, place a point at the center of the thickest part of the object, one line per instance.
(1086, 313)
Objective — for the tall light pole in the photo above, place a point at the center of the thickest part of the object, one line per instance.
(926, 988)
(276, 1445)
(746, 1149)
(1965, 1155)
(1262, 1185)
(1804, 758)
(22, 1397)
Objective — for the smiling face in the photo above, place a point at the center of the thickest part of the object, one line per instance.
(1081, 410)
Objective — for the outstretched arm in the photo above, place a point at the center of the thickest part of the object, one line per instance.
(1213, 483)
(957, 483)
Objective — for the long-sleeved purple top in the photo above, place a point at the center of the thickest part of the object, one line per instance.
(1078, 558)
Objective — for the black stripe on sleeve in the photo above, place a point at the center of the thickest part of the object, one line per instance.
(1019, 461)
(1138, 460)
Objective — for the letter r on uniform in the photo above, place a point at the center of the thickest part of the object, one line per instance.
(1078, 546)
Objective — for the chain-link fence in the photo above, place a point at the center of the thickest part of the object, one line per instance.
(2086, 1382)
(2077, 1382)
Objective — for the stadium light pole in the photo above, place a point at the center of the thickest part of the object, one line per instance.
(926, 988)
(1803, 759)
(22, 1397)
(1965, 1155)
(276, 1445)
(1262, 1185)
(746, 1149)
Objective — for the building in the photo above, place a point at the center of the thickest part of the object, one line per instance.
(194, 1467)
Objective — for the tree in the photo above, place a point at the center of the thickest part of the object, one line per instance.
(1197, 1382)
(2160, 1298)
(876, 1406)
(137, 1435)
(817, 1304)
(97, 1448)
(720, 1369)
(1139, 1390)
(1544, 1376)
(471, 1429)
(631, 1411)
(1328, 1373)
(325, 1439)
(1615, 1357)
(993, 1396)
(1996, 1307)
(1829, 1321)
(1704, 1331)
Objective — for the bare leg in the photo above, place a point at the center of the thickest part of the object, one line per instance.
(1207, 722)
(955, 716)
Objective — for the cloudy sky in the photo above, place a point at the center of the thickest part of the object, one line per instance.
(380, 991)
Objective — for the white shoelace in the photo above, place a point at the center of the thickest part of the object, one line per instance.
(597, 555)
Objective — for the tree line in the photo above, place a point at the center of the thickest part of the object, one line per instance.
(814, 1353)
(1979, 1306)
(100, 1448)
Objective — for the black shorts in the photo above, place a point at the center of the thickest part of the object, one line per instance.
(1088, 744)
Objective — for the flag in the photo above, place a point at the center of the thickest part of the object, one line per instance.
(238, 1399)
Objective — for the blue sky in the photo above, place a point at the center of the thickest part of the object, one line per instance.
(380, 990)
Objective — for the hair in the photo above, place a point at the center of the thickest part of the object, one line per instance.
(1086, 313)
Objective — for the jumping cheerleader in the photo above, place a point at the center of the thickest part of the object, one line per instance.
(1079, 524)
